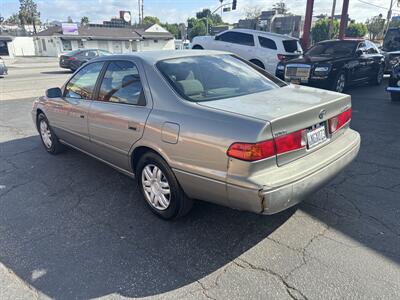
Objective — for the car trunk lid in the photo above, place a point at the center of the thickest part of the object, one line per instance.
(289, 109)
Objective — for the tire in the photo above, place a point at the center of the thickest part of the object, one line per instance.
(395, 97)
(48, 137)
(197, 47)
(378, 78)
(155, 188)
(258, 63)
(339, 84)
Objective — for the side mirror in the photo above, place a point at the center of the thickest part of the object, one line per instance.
(54, 93)
(359, 52)
(216, 37)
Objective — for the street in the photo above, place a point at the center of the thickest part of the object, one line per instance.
(73, 228)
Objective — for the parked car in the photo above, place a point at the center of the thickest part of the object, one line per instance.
(391, 48)
(394, 83)
(3, 67)
(264, 49)
(204, 125)
(74, 59)
(335, 65)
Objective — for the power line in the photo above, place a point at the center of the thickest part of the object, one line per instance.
(378, 6)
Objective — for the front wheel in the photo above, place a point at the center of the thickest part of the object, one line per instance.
(340, 83)
(47, 135)
(160, 188)
(377, 80)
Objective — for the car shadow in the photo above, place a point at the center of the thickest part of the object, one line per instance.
(74, 228)
(57, 72)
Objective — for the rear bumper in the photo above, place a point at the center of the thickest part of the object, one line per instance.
(297, 180)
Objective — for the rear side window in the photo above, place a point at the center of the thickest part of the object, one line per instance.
(291, 46)
(237, 38)
(267, 43)
(121, 84)
(81, 86)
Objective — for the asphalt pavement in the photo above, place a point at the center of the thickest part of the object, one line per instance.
(73, 228)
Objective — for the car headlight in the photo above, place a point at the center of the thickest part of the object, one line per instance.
(321, 69)
(280, 67)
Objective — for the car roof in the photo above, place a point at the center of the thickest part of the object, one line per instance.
(259, 32)
(155, 56)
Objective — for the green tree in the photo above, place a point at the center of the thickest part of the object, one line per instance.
(28, 13)
(150, 20)
(320, 31)
(356, 29)
(196, 27)
(214, 19)
(280, 8)
(84, 20)
(173, 28)
(375, 27)
(13, 20)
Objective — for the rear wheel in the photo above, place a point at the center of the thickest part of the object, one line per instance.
(160, 188)
(339, 84)
(258, 63)
(395, 96)
(47, 135)
(198, 47)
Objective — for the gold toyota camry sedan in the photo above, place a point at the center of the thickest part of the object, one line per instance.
(203, 125)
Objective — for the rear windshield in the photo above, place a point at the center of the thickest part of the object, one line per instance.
(292, 46)
(392, 40)
(204, 78)
(336, 48)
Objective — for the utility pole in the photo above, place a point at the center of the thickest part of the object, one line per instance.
(142, 11)
(140, 19)
(332, 19)
(344, 19)
(389, 15)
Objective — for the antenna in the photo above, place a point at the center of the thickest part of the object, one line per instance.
(142, 10)
(140, 18)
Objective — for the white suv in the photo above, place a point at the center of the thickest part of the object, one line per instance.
(265, 49)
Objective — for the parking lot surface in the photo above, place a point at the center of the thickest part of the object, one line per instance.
(73, 228)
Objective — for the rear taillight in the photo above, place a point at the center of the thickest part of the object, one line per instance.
(252, 152)
(262, 150)
(72, 58)
(339, 121)
(292, 141)
(281, 57)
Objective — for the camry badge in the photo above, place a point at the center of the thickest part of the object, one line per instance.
(322, 114)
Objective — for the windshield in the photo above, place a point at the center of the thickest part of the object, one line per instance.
(392, 40)
(337, 48)
(204, 78)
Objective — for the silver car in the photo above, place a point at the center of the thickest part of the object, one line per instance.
(201, 125)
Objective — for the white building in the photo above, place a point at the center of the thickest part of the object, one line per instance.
(53, 41)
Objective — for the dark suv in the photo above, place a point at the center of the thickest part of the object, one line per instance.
(335, 65)
(74, 59)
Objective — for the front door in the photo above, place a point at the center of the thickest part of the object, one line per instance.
(118, 115)
(69, 114)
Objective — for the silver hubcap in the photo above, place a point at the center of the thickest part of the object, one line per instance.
(340, 83)
(45, 134)
(156, 187)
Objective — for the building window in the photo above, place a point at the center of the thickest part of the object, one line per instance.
(80, 44)
(67, 46)
(127, 44)
(155, 41)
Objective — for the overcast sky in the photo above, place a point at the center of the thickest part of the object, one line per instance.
(179, 10)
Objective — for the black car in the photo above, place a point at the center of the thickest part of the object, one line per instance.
(335, 65)
(74, 59)
(394, 83)
(391, 48)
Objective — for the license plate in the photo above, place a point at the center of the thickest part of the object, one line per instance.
(295, 80)
(316, 136)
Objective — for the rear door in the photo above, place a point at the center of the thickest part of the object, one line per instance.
(362, 69)
(239, 43)
(118, 115)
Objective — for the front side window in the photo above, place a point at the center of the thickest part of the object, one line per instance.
(267, 43)
(121, 84)
(82, 85)
(204, 78)
(237, 38)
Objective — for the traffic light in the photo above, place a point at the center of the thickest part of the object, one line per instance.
(234, 2)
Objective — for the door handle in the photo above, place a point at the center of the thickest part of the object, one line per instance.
(82, 116)
(134, 128)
